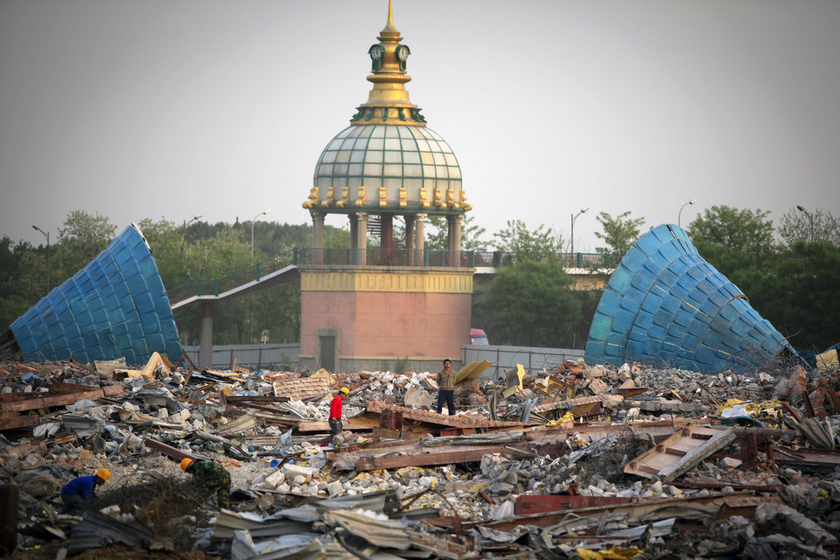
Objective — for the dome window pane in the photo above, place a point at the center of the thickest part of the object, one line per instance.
(423, 146)
(374, 169)
(373, 157)
(413, 171)
(434, 135)
(376, 144)
(355, 132)
(393, 157)
(411, 157)
(348, 144)
(325, 170)
(378, 132)
(455, 172)
(428, 159)
(324, 182)
(355, 169)
(360, 144)
(344, 156)
(450, 159)
(366, 130)
(335, 144)
(445, 147)
(340, 169)
(392, 144)
(344, 133)
(329, 157)
(409, 144)
(392, 184)
(443, 172)
(357, 156)
(434, 146)
(413, 186)
(404, 132)
(372, 185)
(391, 132)
(392, 169)
(439, 159)
(429, 171)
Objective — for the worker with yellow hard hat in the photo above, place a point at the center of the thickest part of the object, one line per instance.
(335, 416)
(210, 478)
(83, 489)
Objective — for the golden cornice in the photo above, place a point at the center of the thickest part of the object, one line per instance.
(375, 281)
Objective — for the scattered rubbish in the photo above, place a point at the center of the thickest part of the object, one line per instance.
(583, 461)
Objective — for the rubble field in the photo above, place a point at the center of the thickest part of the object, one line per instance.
(576, 461)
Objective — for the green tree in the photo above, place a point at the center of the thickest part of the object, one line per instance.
(541, 244)
(801, 225)
(734, 241)
(530, 304)
(620, 233)
(799, 296)
(471, 234)
(80, 241)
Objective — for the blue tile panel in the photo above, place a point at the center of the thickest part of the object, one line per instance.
(666, 305)
(116, 306)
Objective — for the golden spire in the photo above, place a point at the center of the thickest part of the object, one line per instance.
(388, 101)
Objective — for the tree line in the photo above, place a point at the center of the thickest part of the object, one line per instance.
(788, 272)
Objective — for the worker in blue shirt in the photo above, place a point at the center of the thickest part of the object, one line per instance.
(83, 489)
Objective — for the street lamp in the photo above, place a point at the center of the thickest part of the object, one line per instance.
(251, 297)
(575, 217)
(810, 220)
(252, 231)
(186, 223)
(679, 216)
(47, 235)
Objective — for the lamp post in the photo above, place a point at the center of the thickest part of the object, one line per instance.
(252, 232)
(679, 216)
(251, 297)
(810, 222)
(193, 219)
(572, 235)
(47, 235)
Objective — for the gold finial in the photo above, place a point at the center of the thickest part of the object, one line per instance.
(388, 101)
(390, 25)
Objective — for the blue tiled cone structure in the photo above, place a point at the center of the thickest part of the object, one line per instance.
(666, 305)
(116, 306)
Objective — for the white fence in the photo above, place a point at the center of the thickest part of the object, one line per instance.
(274, 357)
(284, 357)
(534, 360)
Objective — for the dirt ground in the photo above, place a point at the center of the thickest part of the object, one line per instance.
(114, 552)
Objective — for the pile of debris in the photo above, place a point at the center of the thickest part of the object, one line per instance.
(576, 462)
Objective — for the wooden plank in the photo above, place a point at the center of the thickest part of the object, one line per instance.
(256, 398)
(445, 457)
(18, 422)
(46, 400)
(679, 452)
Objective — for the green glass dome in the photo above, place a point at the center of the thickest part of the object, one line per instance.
(396, 157)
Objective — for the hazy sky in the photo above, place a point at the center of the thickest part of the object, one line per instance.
(170, 108)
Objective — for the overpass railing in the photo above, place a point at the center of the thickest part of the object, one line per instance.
(369, 257)
(215, 286)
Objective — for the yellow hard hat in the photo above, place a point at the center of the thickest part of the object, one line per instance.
(345, 390)
(104, 474)
(185, 463)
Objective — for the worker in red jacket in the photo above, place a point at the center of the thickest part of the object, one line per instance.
(335, 416)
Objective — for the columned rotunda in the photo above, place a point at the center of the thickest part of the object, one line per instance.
(386, 297)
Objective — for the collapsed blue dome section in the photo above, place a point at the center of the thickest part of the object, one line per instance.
(665, 304)
(116, 306)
